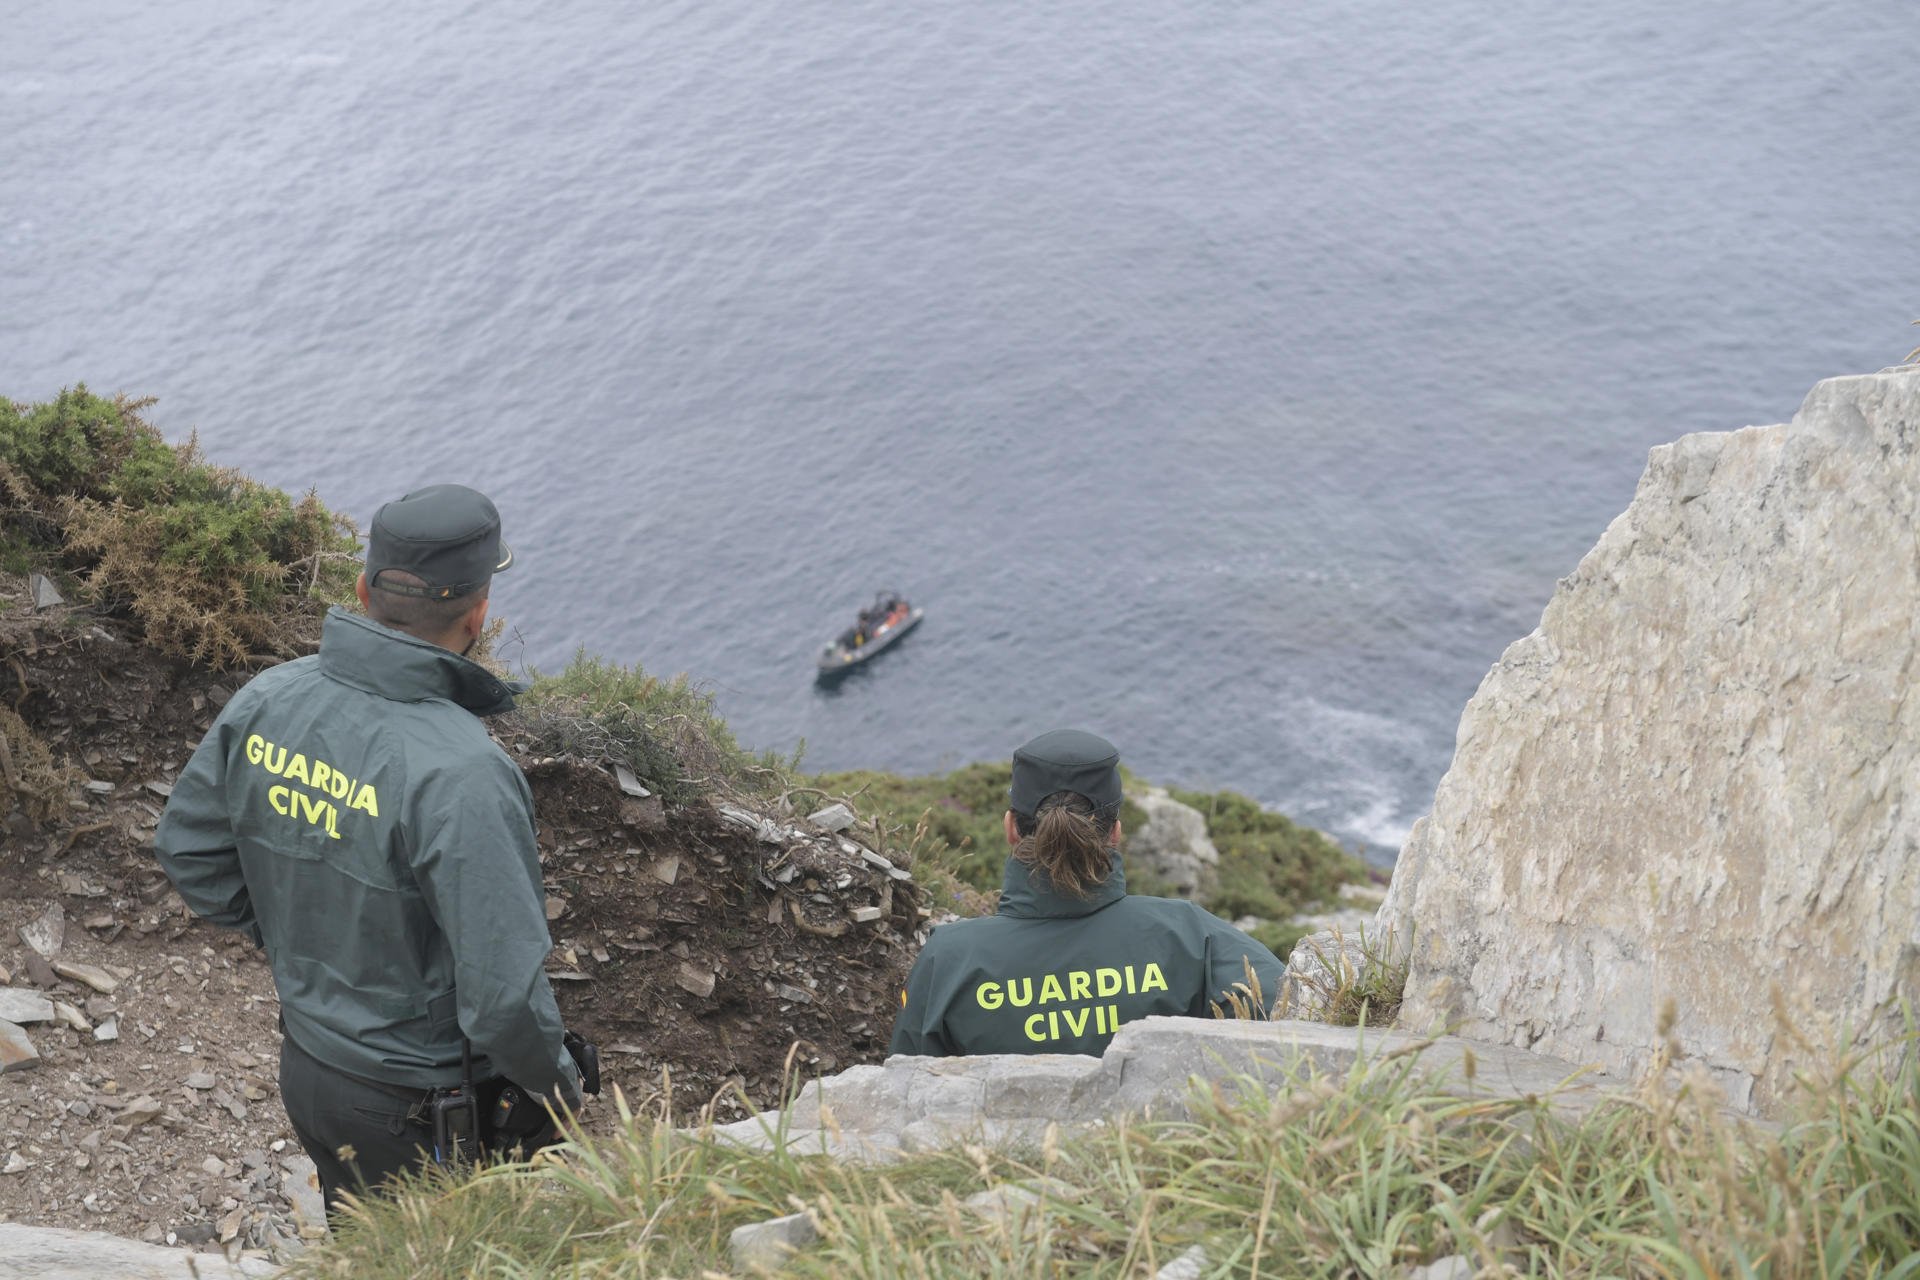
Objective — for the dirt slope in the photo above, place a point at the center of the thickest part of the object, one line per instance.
(698, 945)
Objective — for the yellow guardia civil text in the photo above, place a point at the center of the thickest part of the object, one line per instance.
(335, 787)
(1074, 987)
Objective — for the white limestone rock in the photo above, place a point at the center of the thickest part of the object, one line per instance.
(1173, 845)
(1690, 783)
(768, 1245)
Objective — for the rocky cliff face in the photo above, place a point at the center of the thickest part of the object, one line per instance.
(1697, 781)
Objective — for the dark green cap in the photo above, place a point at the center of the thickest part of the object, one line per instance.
(1065, 760)
(447, 535)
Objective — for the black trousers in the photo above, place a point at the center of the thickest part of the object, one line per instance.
(358, 1134)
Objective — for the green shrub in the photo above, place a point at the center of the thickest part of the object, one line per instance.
(212, 565)
(1269, 866)
(666, 731)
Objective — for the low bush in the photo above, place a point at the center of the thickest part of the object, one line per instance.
(666, 731)
(212, 565)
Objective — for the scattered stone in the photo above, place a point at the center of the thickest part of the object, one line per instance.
(160, 789)
(835, 817)
(769, 1244)
(16, 1051)
(776, 909)
(628, 783)
(1451, 1267)
(301, 1186)
(556, 906)
(1190, 1265)
(866, 915)
(214, 1165)
(97, 787)
(877, 861)
(140, 1111)
(696, 979)
(6, 976)
(667, 870)
(46, 933)
(93, 975)
(45, 595)
(109, 1029)
(17, 1004)
(797, 995)
(200, 1080)
(16, 1163)
(1001, 1202)
(40, 973)
(71, 1016)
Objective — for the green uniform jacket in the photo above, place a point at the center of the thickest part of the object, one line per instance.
(1053, 974)
(349, 813)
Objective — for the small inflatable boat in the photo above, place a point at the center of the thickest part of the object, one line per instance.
(880, 625)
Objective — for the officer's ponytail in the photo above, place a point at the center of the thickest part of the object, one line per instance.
(1067, 840)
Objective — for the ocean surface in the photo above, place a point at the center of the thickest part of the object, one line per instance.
(1234, 379)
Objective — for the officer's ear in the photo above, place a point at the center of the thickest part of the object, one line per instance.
(1013, 832)
(1113, 836)
(360, 589)
(475, 620)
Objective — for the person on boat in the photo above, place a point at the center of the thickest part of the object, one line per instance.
(1070, 956)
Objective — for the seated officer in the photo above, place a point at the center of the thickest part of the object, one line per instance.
(349, 813)
(1069, 956)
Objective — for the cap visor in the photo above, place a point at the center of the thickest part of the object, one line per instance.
(506, 559)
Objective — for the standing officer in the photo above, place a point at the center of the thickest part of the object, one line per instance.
(349, 813)
(1070, 956)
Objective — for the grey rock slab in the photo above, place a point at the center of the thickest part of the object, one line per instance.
(16, 1050)
(1190, 1265)
(629, 784)
(1451, 1267)
(835, 817)
(770, 1243)
(45, 595)
(46, 933)
(55, 1253)
(19, 1005)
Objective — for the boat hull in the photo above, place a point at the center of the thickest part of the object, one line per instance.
(837, 661)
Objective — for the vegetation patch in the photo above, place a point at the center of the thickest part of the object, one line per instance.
(30, 779)
(212, 565)
(1361, 1174)
(1270, 866)
(666, 731)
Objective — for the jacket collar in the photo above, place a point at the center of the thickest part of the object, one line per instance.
(1026, 896)
(358, 651)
